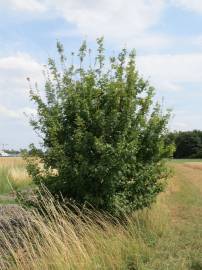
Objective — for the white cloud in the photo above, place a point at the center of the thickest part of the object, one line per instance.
(115, 18)
(5, 112)
(15, 129)
(24, 5)
(14, 98)
(197, 40)
(178, 78)
(16, 114)
(168, 72)
(193, 5)
(186, 120)
(148, 40)
(13, 73)
(21, 62)
(122, 21)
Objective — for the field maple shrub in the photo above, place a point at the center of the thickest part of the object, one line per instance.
(102, 137)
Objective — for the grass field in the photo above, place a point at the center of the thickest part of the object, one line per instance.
(166, 237)
(13, 174)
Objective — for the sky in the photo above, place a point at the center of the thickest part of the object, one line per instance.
(166, 34)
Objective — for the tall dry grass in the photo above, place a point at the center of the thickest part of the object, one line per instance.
(70, 239)
(13, 174)
(11, 162)
(18, 177)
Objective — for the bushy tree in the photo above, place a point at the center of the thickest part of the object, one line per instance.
(188, 144)
(103, 139)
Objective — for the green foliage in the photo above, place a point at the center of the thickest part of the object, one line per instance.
(103, 139)
(188, 144)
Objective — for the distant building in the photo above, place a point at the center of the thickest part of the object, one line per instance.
(3, 154)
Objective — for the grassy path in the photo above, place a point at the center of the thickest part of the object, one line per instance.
(181, 247)
(187, 210)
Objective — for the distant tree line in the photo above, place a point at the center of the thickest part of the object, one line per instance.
(12, 151)
(188, 143)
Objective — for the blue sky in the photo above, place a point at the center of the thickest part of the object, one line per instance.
(166, 34)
